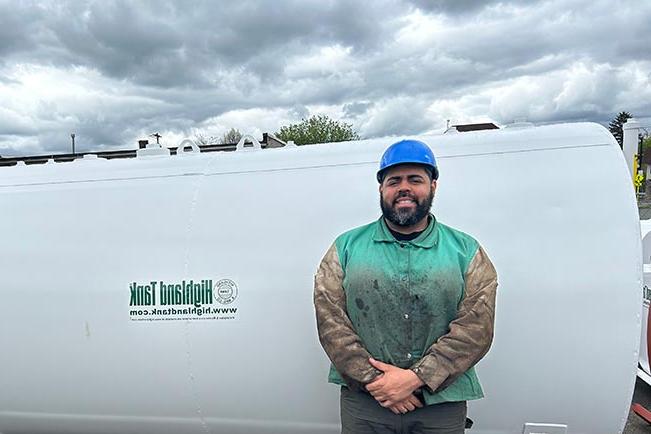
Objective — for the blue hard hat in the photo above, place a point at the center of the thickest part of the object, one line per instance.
(408, 152)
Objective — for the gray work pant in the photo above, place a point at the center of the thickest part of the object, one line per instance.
(362, 414)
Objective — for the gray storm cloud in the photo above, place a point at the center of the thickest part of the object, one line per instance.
(113, 71)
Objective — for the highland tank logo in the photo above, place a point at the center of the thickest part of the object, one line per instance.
(191, 299)
(226, 291)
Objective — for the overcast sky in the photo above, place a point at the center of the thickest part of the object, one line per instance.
(116, 71)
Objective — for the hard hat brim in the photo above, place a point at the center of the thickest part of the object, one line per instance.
(432, 170)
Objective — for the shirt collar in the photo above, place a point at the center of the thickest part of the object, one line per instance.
(427, 239)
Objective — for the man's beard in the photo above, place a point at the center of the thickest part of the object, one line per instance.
(408, 216)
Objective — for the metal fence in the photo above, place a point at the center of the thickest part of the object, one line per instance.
(645, 210)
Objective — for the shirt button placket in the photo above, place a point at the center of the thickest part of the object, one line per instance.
(407, 281)
(407, 291)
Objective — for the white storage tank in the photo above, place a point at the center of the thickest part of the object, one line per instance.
(170, 294)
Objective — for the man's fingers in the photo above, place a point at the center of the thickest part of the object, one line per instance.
(404, 407)
(380, 397)
(375, 385)
(410, 403)
(413, 399)
(379, 365)
(385, 398)
(398, 408)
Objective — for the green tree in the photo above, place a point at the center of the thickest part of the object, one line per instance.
(646, 143)
(233, 136)
(615, 127)
(202, 139)
(317, 129)
(645, 148)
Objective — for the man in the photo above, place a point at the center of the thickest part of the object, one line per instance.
(405, 308)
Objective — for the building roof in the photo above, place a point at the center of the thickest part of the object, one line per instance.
(268, 141)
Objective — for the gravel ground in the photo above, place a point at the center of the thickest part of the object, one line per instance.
(635, 424)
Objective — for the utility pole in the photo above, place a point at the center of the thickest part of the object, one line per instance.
(158, 136)
(72, 136)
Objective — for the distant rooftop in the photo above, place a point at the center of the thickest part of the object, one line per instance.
(268, 141)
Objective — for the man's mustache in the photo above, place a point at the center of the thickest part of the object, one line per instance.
(405, 195)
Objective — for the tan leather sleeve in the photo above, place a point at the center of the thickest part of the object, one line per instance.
(471, 332)
(336, 333)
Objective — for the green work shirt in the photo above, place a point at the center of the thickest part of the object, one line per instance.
(402, 295)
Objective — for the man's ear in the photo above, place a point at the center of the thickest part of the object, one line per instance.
(433, 185)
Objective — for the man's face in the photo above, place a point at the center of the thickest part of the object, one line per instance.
(406, 194)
